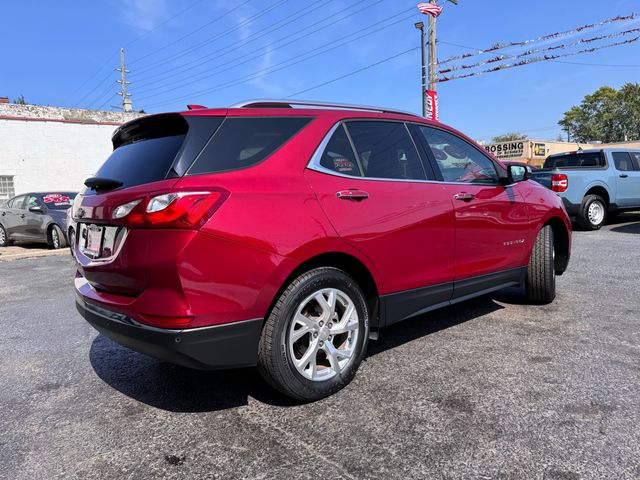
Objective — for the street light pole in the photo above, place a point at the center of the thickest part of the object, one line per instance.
(420, 26)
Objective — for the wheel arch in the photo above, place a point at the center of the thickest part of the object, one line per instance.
(601, 191)
(342, 261)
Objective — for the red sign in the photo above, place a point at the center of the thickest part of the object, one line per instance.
(432, 105)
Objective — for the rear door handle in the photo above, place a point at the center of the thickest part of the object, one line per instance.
(355, 195)
(623, 175)
(22, 215)
(464, 196)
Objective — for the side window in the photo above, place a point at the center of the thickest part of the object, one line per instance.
(457, 160)
(622, 161)
(18, 202)
(32, 201)
(385, 150)
(241, 142)
(338, 156)
(636, 157)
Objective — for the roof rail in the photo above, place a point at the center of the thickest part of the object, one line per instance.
(268, 103)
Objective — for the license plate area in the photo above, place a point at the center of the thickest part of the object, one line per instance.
(99, 241)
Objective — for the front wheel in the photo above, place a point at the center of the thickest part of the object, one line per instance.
(541, 272)
(316, 335)
(4, 238)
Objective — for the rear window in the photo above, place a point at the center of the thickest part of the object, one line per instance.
(144, 150)
(58, 201)
(243, 142)
(143, 161)
(576, 160)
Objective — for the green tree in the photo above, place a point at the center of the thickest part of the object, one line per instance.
(20, 100)
(509, 137)
(608, 115)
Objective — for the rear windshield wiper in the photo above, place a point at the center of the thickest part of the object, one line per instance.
(101, 183)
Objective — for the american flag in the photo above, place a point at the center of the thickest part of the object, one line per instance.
(430, 9)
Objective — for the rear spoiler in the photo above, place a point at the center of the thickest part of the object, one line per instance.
(151, 126)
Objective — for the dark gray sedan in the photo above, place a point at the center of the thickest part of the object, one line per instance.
(36, 217)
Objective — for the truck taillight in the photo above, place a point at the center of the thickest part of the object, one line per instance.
(559, 182)
(171, 210)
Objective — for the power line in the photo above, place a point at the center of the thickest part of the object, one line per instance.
(538, 59)
(201, 44)
(252, 55)
(354, 72)
(236, 45)
(598, 64)
(106, 63)
(294, 60)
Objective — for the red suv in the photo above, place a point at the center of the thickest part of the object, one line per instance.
(285, 237)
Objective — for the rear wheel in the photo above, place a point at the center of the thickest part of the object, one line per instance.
(541, 272)
(4, 238)
(593, 213)
(316, 335)
(56, 238)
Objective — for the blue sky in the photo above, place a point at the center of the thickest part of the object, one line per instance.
(218, 52)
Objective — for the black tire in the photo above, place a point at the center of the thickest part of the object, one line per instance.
(541, 274)
(4, 238)
(56, 238)
(275, 361)
(587, 222)
(72, 240)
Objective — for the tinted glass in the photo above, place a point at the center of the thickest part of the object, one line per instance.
(143, 161)
(573, 160)
(622, 161)
(242, 142)
(338, 156)
(386, 150)
(17, 202)
(458, 160)
(58, 201)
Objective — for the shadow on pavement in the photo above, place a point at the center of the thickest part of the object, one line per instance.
(432, 322)
(174, 388)
(178, 389)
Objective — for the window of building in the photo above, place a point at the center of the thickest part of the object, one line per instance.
(6, 187)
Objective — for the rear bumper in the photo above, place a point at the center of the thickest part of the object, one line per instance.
(573, 209)
(231, 345)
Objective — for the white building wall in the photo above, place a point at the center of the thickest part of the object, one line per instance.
(47, 148)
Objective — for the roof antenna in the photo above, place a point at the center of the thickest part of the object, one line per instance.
(580, 149)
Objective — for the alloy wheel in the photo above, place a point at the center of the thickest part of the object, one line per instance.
(323, 334)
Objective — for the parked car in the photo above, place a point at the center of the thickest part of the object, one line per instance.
(36, 217)
(288, 237)
(594, 183)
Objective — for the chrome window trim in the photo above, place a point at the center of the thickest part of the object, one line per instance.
(314, 162)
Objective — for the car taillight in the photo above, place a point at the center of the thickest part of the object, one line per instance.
(170, 210)
(559, 182)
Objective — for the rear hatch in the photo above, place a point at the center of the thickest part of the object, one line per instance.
(150, 155)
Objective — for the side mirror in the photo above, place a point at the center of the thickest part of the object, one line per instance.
(518, 173)
(36, 209)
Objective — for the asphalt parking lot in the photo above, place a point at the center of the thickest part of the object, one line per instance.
(488, 389)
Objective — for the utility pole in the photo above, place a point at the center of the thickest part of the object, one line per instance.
(420, 26)
(127, 105)
(429, 95)
(433, 60)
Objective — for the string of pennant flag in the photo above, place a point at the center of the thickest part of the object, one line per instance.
(552, 36)
(537, 59)
(527, 53)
